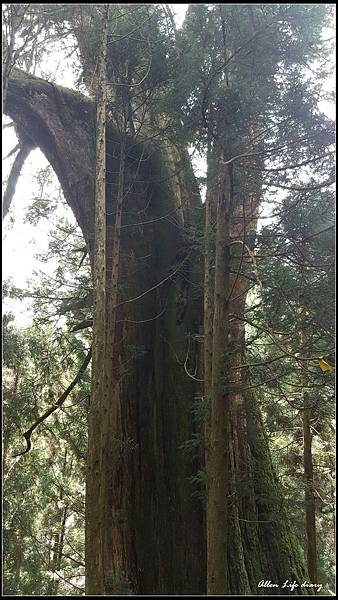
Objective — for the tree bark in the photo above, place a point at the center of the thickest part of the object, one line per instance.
(95, 488)
(155, 396)
(218, 426)
(310, 506)
(260, 542)
(208, 303)
(159, 511)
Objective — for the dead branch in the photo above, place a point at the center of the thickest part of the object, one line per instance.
(14, 176)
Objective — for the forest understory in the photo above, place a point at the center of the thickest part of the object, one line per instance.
(168, 405)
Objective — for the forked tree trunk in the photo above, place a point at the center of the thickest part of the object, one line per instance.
(155, 511)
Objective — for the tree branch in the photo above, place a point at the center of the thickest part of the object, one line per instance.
(61, 400)
(13, 151)
(14, 176)
(82, 325)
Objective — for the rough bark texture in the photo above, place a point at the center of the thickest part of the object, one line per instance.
(208, 289)
(261, 543)
(96, 557)
(154, 509)
(218, 426)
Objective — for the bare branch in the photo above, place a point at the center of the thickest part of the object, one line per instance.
(13, 151)
(14, 176)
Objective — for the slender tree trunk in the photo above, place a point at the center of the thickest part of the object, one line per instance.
(115, 545)
(19, 161)
(310, 506)
(7, 430)
(19, 555)
(208, 298)
(333, 498)
(217, 454)
(95, 505)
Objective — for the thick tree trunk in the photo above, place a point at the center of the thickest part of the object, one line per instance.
(262, 545)
(156, 512)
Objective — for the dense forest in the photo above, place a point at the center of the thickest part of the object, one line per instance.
(168, 410)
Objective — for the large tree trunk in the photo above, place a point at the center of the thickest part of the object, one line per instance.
(155, 512)
(262, 546)
(154, 508)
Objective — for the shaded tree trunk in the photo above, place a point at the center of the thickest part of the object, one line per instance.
(217, 455)
(55, 552)
(262, 545)
(156, 511)
(158, 309)
(96, 558)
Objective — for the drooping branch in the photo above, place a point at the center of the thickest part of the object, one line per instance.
(14, 175)
(27, 435)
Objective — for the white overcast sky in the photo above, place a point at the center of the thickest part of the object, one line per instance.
(21, 241)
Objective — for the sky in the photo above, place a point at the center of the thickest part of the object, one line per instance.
(21, 240)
